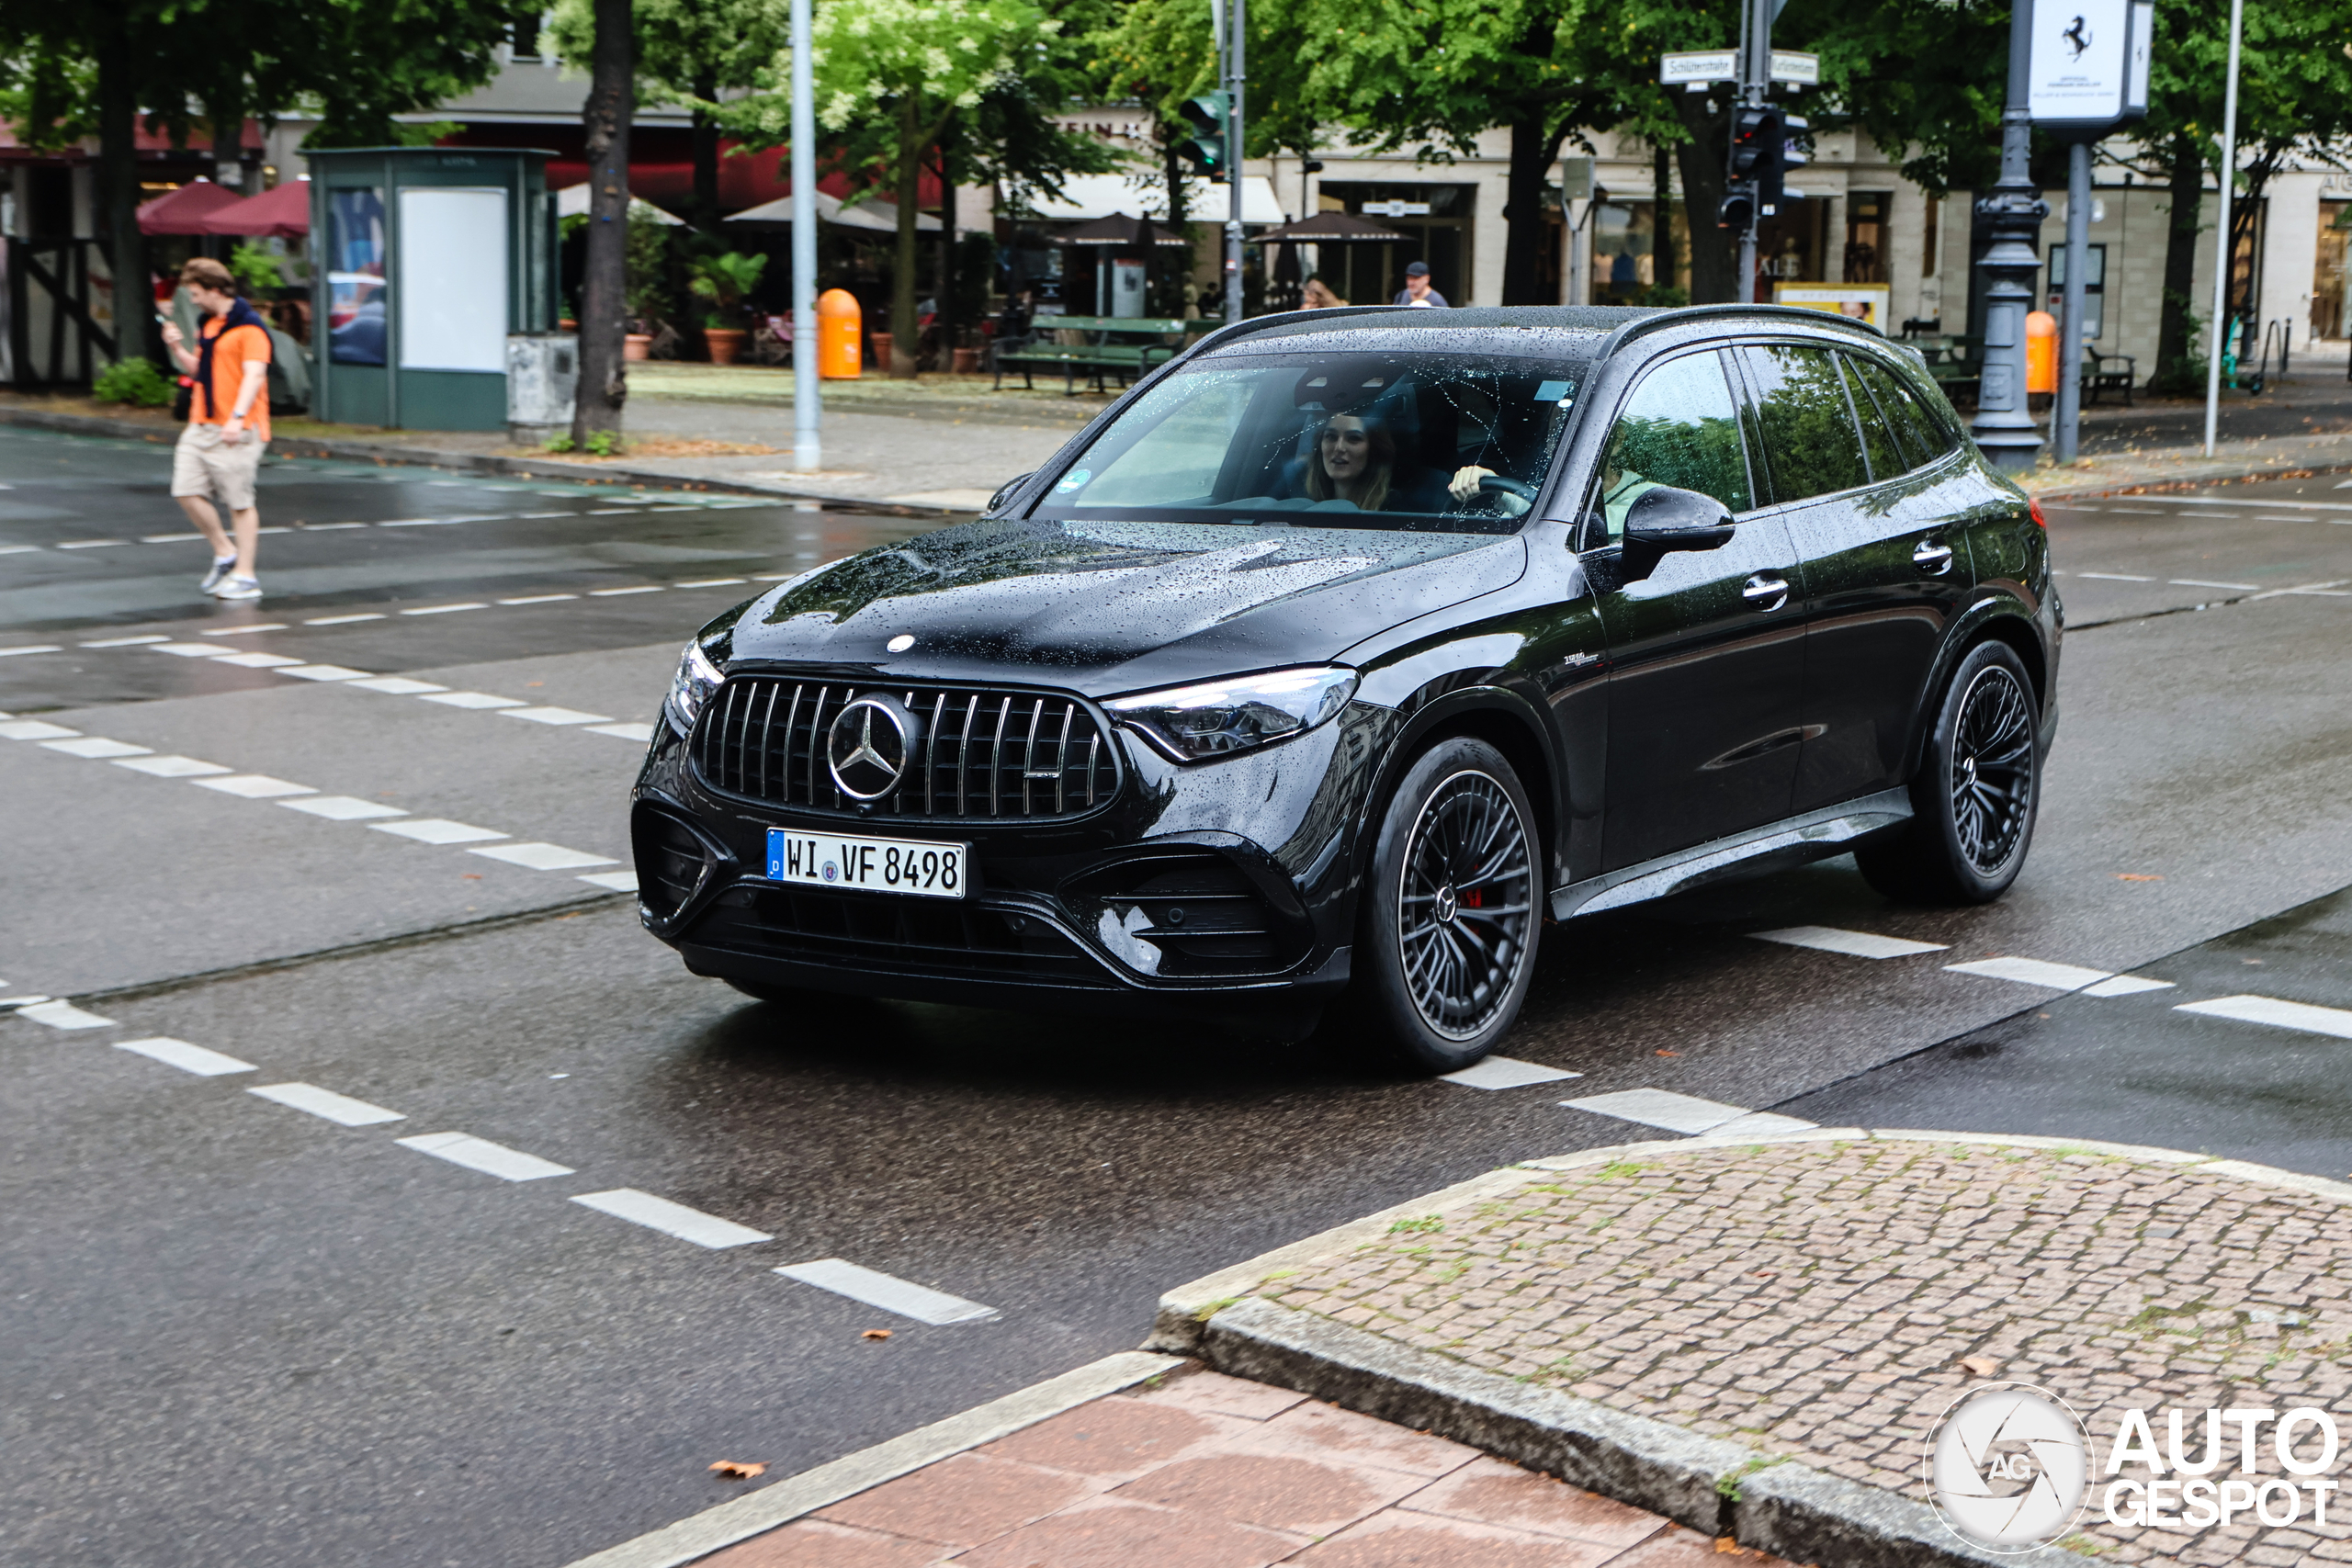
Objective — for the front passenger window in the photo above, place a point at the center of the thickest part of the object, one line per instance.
(1681, 428)
(1810, 444)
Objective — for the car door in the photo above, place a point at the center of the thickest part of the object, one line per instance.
(1883, 578)
(1706, 647)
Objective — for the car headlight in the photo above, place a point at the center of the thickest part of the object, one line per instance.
(697, 677)
(1217, 719)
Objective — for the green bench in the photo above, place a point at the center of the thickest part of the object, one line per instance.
(1099, 358)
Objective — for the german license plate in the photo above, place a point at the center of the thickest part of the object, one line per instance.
(878, 865)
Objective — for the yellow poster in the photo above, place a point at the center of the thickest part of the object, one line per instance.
(1862, 301)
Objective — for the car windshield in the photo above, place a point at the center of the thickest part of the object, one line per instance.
(1413, 441)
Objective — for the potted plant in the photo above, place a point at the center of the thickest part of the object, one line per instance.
(724, 280)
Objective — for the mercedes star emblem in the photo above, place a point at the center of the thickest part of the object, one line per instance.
(869, 745)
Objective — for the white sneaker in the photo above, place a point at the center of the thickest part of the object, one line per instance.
(220, 568)
(238, 588)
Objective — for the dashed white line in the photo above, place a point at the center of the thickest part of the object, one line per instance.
(2126, 986)
(2033, 971)
(88, 544)
(1855, 944)
(2278, 1014)
(127, 642)
(63, 1015)
(887, 1292)
(616, 593)
(554, 716)
(32, 648)
(322, 672)
(713, 582)
(346, 620)
(34, 730)
(481, 1154)
(618, 881)
(169, 539)
(96, 746)
(1685, 1112)
(246, 631)
(397, 685)
(671, 1219)
(188, 649)
(341, 807)
(340, 1108)
(640, 733)
(472, 700)
(1505, 1072)
(171, 767)
(544, 857)
(443, 609)
(254, 786)
(438, 831)
(2197, 582)
(2114, 577)
(258, 660)
(539, 598)
(187, 1058)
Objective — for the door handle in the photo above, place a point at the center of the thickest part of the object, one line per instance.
(1932, 556)
(1765, 592)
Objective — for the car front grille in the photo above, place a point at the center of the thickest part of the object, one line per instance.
(983, 754)
(924, 937)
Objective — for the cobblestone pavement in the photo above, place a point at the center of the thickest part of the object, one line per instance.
(1205, 1471)
(1824, 1300)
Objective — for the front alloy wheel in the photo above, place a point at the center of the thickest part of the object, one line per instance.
(1976, 792)
(1453, 911)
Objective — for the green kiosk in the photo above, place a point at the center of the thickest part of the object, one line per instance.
(425, 260)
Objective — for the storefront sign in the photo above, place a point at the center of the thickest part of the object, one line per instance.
(2089, 68)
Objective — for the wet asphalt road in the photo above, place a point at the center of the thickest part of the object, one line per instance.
(239, 1334)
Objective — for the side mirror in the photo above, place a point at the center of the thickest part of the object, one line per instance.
(1668, 519)
(1004, 492)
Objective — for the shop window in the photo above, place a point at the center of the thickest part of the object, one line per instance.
(1867, 212)
(2330, 265)
(1625, 251)
(356, 281)
(1435, 221)
(2094, 288)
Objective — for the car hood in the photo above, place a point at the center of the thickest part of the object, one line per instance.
(1106, 607)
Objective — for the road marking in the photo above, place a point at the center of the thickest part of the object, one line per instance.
(345, 620)
(2279, 1014)
(322, 672)
(544, 857)
(341, 807)
(481, 1154)
(1684, 1112)
(241, 631)
(2307, 588)
(169, 539)
(618, 881)
(887, 1291)
(712, 583)
(472, 700)
(2302, 505)
(616, 593)
(2114, 577)
(187, 1058)
(1854, 944)
(564, 514)
(17, 549)
(325, 1102)
(96, 746)
(171, 767)
(128, 642)
(34, 730)
(2261, 519)
(331, 528)
(32, 648)
(2143, 510)
(2195, 583)
(671, 1219)
(2126, 986)
(88, 544)
(254, 786)
(259, 661)
(63, 1015)
(1505, 1072)
(188, 649)
(438, 831)
(554, 716)
(538, 599)
(2033, 971)
(397, 685)
(21, 1001)
(640, 733)
(443, 609)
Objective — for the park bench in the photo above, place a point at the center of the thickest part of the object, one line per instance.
(2100, 375)
(1101, 358)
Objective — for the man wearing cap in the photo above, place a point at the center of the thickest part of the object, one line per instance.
(1417, 289)
(220, 452)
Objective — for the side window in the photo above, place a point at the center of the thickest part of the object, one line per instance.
(1888, 459)
(1921, 432)
(1810, 444)
(1680, 428)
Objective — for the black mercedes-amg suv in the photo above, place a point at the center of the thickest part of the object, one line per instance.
(1349, 648)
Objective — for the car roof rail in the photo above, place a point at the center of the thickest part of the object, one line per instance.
(1680, 314)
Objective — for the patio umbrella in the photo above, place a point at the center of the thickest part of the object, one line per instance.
(282, 212)
(1330, 228)
(875, 213)
(571, 202)
(183, 211)
(1120, 231)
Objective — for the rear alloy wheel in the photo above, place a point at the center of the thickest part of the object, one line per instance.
(1976, 793)
(1449, 920)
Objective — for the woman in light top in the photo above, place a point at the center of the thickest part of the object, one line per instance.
(1356, 460)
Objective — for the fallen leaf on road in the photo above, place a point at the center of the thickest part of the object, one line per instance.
(739, 1469)
(2137, 877)
(1669, 1053)
(1983, 1366)
(875, 1334)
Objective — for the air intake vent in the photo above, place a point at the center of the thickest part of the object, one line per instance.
(981, 754)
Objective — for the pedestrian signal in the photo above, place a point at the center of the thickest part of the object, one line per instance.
(1208, 116)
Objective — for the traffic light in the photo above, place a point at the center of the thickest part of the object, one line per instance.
(1738, 209)
(1793, 140)
(1756, 138)
(1205, 149)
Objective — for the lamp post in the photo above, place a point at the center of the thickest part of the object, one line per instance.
(2221, 248)
(2003, 429)
(807, 446)
(1236, 159)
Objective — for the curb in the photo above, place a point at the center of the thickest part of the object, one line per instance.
(383, 454)
(2221, 473)
(780, 1502)
(1789, 1509)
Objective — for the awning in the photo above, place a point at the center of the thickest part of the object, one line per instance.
(1119, 231)
(183, 211)
(571, 202)
(1099, 195)
(1331, 228)
(878, 214)
(281, 212)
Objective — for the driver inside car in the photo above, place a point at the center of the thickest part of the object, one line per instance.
(1355, 461)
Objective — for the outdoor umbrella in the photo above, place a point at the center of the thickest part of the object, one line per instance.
(1329, 228)
(282, 212)
(1120, 231)
(183, 211)
(875, 214)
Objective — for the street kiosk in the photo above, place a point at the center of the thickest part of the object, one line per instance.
(426, 261)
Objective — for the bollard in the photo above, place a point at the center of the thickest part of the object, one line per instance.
(2040, 352)
(841, 353)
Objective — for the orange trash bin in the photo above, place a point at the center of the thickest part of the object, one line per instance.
(841, 351)
(2040, 352)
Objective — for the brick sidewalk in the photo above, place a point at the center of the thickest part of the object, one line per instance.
(1203, 1471)
(1818, 1299)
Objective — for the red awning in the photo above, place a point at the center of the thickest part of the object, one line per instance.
(183, 211)
(283, 211)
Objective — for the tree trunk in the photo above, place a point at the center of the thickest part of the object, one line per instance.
(1662, 268)
(946, 291)
(902, 281)
(705, 154)
(1714, 251)
(1533, 144)
(2175, 367)
(118, 187)
(604, 285)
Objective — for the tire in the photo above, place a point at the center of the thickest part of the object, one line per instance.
(1976, 793)
(1443, 961)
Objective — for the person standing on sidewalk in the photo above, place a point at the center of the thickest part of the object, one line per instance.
(1417, 289)
(220, 452)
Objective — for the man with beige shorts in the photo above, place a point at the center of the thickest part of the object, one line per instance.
(220, 452)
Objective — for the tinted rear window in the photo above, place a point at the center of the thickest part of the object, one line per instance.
(1811, 447)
